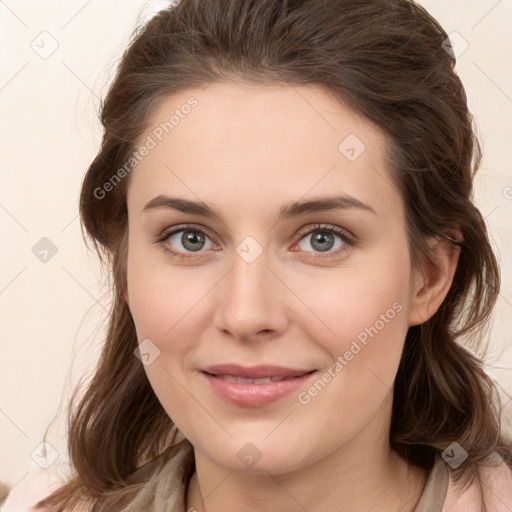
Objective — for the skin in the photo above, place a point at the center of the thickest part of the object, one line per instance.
(246, 150)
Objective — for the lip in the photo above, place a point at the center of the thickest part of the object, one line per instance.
(255, 394)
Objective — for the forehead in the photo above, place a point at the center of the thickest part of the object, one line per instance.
(243, 142)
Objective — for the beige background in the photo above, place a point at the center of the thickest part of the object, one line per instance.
(53, 313)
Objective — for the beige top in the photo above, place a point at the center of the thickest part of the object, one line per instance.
(436, 488)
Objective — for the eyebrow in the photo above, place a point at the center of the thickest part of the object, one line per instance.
(287, 211)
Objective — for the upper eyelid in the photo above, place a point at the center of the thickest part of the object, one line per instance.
(183, 227)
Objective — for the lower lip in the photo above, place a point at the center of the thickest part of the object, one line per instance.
(255, 395)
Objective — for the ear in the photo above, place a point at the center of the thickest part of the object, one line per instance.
(431, 282)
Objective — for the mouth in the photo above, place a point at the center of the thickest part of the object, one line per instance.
(255, 386)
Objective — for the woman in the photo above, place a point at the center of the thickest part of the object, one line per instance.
(259, 370)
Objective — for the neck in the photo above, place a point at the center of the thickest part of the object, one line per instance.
(363, 474)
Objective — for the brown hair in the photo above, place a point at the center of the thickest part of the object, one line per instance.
(387, 60)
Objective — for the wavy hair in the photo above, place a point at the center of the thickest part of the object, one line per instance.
(389, 61)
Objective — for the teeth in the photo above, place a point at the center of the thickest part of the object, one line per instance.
(241, 380)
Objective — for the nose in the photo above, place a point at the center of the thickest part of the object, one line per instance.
(252, 301)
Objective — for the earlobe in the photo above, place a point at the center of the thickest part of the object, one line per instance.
(433, 280)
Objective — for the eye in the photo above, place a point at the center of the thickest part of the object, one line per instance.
(322, 238)
(185, 239)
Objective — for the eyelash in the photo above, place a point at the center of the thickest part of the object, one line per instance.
(348, 240)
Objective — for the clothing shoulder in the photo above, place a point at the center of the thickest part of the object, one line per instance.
(495, 493)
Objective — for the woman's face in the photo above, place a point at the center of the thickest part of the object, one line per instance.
(263, 283)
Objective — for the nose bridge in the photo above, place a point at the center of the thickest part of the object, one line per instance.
(251, 298)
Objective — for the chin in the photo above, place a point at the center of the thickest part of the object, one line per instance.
(241, 454)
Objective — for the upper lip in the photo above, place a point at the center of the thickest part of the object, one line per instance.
(255, 372)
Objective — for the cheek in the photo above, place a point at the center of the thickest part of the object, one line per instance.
(167, 303)
(364, 313)
(358, 302)
(165, 307)
(365, 354)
